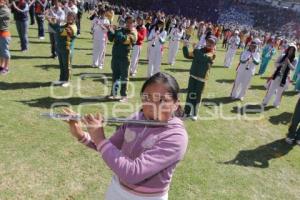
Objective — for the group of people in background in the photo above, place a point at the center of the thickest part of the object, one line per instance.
(157, 28)
(148, 174)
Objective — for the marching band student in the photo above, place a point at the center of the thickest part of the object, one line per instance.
(142, 34)
(226, 35)
(142, 158)
(20, 10)
(201, 30)
(55, 12)
(294, 129)
(296, 76)
(233, 44)
(202, 61)
(110, 14)
(250, 58)
(175, 37)
(122, 17)
(156, 38)
(40, 7)
(80, 8)
(283, 45)
(280, 79)
(65, 37)
(267, 53)
(71, 7)
(189, 32)
(4, 37)
(123, 38)
(99, 30)
(32, 13)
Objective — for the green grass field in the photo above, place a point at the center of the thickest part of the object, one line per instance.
(40, 159)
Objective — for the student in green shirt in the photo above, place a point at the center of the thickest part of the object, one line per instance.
(64, 36)
(294, 130)
(123, 40)
(202, 61)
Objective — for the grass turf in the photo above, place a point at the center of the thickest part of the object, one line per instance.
(230, 156)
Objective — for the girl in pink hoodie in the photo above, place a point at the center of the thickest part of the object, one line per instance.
(143, 158)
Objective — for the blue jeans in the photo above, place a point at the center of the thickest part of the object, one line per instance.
(40, 22)
(22, 28)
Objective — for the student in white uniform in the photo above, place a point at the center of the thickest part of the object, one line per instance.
(280, 79)
(99, 29)
(136, 51)
(250, 58)
(157, 38)
(175, 37)
(71, 7)
(233, 43)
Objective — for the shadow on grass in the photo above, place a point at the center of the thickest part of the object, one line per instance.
(56, 66)
(257, 87)
(228, 81)
(30, 57)
(217, 101)
(92, 75)
(49, 102)
(23, 85)
(250, 109)
(39, 42)
(30, 37)
(177, 70)
(220, 67)
(260, 156)
(283, 118)
(290, 93)
(183, 90)
(83, 49)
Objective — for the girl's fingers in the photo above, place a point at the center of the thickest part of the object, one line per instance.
(84, 121)
(99, 116)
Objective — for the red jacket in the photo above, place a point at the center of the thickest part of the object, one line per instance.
(142, 33)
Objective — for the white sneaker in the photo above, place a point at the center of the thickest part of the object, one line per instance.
(65, 84)
(112, 97)
(277, 107)
(194, 118)
(290, 140)
(124, 100)
(41, 38)
(241, 99)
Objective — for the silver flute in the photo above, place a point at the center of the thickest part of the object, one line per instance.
(108, 121)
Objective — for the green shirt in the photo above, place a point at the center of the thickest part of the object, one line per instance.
(123, 40)
(202, 62)
(64, 41)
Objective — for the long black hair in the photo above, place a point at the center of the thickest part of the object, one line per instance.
(291, 58)
(287, 70)
(169, 82)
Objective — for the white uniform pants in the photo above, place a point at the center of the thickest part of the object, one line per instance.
(135, 58)
(99, 47)
(173, 49)
(155, 55)
(275, 89)
(116, 192)
(241, 83)
(229, 57)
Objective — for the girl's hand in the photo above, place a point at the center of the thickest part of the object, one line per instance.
(75, 126)
(94, 126)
